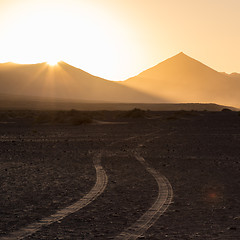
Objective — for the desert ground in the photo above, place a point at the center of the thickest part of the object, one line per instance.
(120, 175)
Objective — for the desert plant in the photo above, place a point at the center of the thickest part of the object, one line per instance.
(135, 113)
(226, 110)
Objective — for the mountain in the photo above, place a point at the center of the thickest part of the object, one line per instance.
(66, 82)
(179, 79)
(184, 79)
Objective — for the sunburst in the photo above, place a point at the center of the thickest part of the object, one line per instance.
(52, 62)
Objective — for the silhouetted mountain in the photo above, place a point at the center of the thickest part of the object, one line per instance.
(66, 82)
(180, 79)
(184, 79)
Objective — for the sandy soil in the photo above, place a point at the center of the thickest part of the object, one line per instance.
(44, 168)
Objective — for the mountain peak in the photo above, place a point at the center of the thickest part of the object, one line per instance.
(183, 63)
(179, 63)
(181, 55)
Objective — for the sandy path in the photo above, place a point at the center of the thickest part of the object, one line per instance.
(99, 187)
(164, 198)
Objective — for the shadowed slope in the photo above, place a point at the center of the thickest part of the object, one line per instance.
(65, 81)
(184, 79)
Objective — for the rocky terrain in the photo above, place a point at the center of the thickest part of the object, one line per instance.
(48, 165)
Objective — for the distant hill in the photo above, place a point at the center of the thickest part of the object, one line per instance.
(235, 76)
(66, 82)
(184, 79)
(17, 102)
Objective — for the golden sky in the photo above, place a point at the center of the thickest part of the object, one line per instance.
(117, 39)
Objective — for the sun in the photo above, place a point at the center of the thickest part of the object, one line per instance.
(45, 32)
(52, 62)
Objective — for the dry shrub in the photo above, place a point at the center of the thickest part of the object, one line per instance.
(181, 115)
(226, 110)
(135, 113)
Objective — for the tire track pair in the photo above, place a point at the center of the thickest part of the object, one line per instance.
(162, 202)
(98, 188)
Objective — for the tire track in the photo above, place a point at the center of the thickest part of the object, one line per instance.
(164, 198)
(98, 188)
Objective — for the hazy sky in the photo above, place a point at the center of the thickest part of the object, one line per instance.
(116, 39)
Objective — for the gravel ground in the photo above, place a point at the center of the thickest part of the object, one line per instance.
(44, 168)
